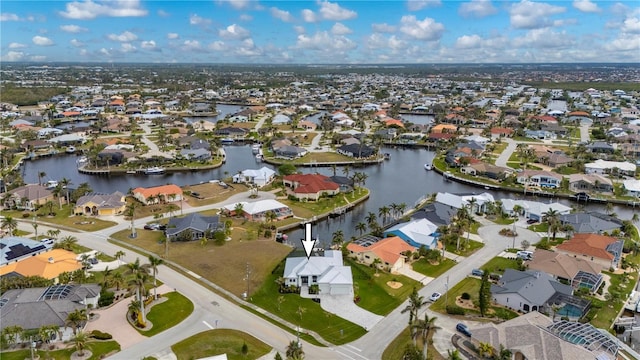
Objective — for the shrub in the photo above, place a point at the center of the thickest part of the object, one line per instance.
(465, 296)
(106, 298)
(245, 349)
(455, 310)
(99, 335)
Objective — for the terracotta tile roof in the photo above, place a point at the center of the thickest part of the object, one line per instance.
(39, 265)
(390, 122)
(563, 265)
(71, 113)
(589, 244)
(499, 130)
(388, 250)
(311, 183)
(164, 189)
(579, 113)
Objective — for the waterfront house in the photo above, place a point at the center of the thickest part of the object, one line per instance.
(259, 177)
(289, 152)
(257, 210)
(232, 132)
(610, 167)
(528, 290)
(193, 226)
(605, 251)
(199, 154)
(487, 170)
(328, 272)
(533, 210)
(580, 273)
(601, 147)
(33, 308)
(157, 194)
(97, 204)
(591, 222)
(356, 151)
(310, 186)
(540, 134)
(444, 128)
(632, 187)
(32, 145)
(28, 197)
(539, 178)
(417, 233)
(590, 182)
(390, 251)
(458, 201)
(437, 213)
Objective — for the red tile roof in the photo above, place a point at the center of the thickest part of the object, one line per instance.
(589, 244)
(388, 250)
(394, 122)
(158, 190)
(499, 130)
(311, 183)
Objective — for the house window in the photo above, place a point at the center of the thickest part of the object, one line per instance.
(367, 256)
(314, 278)
(304, 280)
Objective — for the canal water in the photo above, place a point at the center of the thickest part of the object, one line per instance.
(401, 179)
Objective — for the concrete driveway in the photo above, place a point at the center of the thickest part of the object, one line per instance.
(491, 233)
(344, 307)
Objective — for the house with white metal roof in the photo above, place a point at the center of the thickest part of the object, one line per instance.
(328, 272)
(259, 177)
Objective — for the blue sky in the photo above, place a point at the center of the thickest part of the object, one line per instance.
(249, 31)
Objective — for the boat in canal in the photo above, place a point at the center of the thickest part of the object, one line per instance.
(428, 166)
(154, 170)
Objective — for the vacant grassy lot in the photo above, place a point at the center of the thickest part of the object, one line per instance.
(395, 350)
(224, 265)
(168, 313)
(423, 266)
(212, 193)
(332, 328)
(220, 341)
(99, 350)
(500, 264)
(62, 217)
(375, 295)
(324, 205)
(466, 248)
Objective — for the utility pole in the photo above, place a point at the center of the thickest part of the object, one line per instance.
(248, 278)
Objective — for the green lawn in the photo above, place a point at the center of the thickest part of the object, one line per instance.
(542, 227)
(332, 328)
(499, 264)
(603, 313)
(503, 220)
(218, 342)
(168, 313)
(375, 295)
(424, 267)
(309, 209)
(395, 349)
(99, 350)
(467, 250)
(63, 217)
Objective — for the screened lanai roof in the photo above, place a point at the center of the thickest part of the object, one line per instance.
(586, 336)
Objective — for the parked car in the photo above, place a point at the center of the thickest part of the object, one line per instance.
(524, 255)
(196, 195)
(477, 272)
(155, 226)
(93, 261)
(435, 296)
(47, 241)
(532, 221)
(462, 328)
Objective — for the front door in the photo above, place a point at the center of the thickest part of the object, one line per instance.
(305, 280)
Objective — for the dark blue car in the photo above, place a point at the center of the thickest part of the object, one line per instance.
(463, 329)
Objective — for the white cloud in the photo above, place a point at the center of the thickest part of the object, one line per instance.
(148, 45)
(299, 29)
(625, 43)
(246, 17)
(15, 45)
(415, 5)
(383, 28)
(309, 16)
(218, 46)
(248, 48)
(76, 43)
(127, 48)
(281, 14)
(340, 29)
(323, 41)
(126, 36)
(42, 41)
(9, 17)
(190, 45)
(74, 29)
(198, 20)
(92, 9)
(334, 12)
(477, 9)
(586, 6)
(631, 26)
(105, 52)
(172, 36)
(469, 42)
(543, 38)
(427, 29)
(239, 4)
(163, 13)
(13, 56)
(532, 15)
(38, 57)
(234, 31)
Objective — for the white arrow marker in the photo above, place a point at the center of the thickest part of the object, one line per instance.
(308, 242)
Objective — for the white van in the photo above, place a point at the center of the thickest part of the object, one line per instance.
(524, 255)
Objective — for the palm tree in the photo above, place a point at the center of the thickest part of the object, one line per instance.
(294, 350)
(550, 217)
(75, 319)
(345, 170)
(371, 218)
(361, 227)
(416, 301)
(635, 218)
(131, 212)
(453, 355)
(473, 205)
(338, 238)
(80, 341)
(138, 281)
(424, 327)
(154, 262)
(119, 254)
(10, 224)
(41, 175)
(117, 280)
(67, 242)
(376, 262)
(485, 349)
(384, 212)
(65, 185)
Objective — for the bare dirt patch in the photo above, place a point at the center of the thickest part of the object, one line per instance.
(394, 284)
(467, 304)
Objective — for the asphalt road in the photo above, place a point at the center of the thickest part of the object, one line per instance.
(212, 310)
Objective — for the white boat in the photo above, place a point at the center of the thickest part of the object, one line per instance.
(255, 148)
(227, 141)
(71, 149)
(52, 184)
(155, 170)
(428, 166)
(82, 160)
(259, 157)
